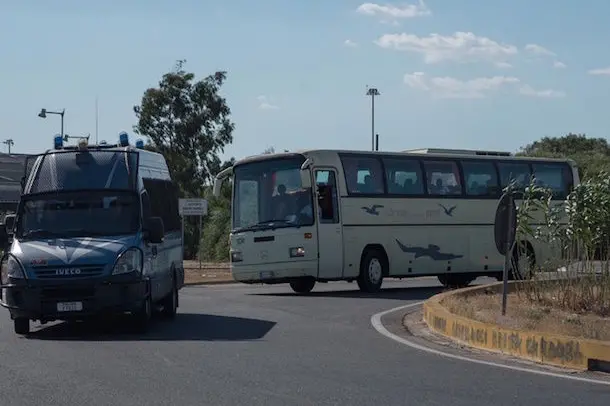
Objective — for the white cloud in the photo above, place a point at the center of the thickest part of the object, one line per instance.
(559, 65)
(390, 13)
(601, 71)
(536, 49)
(527, 90)
(451, 88)
(461, 47)
(504, 65)
(265, 104)
(477, 88)
(350, 43)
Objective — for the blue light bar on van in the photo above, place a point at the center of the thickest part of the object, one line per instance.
(58, 142)
(123, 139)
(140, 144)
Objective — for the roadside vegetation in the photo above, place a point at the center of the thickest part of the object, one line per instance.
(569, 294)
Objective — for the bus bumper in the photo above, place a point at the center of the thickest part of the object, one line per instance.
(282, 272)
(48, 302)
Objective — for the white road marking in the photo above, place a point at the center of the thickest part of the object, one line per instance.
(377, 325)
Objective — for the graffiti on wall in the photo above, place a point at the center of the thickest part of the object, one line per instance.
(513, 342)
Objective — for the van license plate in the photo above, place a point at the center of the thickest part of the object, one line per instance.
(266, 274)
(70, 307)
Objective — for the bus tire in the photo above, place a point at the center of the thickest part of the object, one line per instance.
(516, 262)
(21, 325)
(372, 269)
(302, 285)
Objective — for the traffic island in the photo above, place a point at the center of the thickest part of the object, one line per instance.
(529, 330)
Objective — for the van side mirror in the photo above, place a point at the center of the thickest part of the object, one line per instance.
(154, 230)
(9, 223)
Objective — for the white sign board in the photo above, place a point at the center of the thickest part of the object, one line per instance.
(193, 207)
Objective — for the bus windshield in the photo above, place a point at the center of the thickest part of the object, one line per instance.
(78, 214)
(268, 194)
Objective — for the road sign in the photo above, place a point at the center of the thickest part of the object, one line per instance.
(505, 225)
(193, 207)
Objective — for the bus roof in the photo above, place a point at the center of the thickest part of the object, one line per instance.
(429, 152)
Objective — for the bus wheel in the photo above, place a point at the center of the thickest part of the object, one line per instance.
(303, 285)
(455, 281)
(21, 325)
(372, 269)
(523, 262)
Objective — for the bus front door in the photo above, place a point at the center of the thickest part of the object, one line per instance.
(330, 233)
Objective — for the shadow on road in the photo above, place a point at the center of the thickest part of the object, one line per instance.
(412, 293)
(186, 327)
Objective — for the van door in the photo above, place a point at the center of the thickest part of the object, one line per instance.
(150, 251)
(330, 232)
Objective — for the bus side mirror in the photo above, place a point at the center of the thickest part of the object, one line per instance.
(305, 178)
(217, 187)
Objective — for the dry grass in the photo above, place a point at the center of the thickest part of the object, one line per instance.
(523, 313)
(209, 273)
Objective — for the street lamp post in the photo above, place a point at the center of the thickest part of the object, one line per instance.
(43, 114)
(9, 143)
(372, 92)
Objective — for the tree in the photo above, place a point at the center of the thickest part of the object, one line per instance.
(188, 122)
(592, 155)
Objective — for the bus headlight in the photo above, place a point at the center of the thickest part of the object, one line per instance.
(10, 269)
(297, 252)
(128, 261)
(236, 256)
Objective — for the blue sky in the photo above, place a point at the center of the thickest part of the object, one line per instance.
(453, 74)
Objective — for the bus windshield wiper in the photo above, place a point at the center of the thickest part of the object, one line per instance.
(266, 225)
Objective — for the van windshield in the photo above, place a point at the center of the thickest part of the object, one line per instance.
(269, 194)
(78, 214)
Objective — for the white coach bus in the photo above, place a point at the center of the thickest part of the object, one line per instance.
(377, 214)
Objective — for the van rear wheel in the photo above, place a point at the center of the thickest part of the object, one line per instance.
(170, 303)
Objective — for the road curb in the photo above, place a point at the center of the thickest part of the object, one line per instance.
(211, 283)
(551, 349)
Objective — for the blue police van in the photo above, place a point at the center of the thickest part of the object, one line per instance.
(97, 231)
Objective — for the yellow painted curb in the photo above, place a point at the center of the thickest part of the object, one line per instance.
(552, 349)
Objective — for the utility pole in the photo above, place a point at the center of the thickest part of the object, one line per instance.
(96, 121)
(9, 143)
(372, 91)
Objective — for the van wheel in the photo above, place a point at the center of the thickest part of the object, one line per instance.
(143, 316)
(372, 269)
(21, 326)
(170, 303)
(303, 285)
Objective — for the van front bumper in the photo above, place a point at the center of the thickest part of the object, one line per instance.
(42, 301)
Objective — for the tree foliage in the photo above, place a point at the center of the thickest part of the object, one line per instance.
(187, 121)
(592, 155)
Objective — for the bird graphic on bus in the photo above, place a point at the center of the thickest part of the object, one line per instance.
(373, 209)
(432, 251)
(448, 211)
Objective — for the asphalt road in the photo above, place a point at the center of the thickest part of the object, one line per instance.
(240, 345)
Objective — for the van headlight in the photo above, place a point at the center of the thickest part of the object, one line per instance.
(11, 268)
(128, 261)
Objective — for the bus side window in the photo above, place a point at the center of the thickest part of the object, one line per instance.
(327, 197)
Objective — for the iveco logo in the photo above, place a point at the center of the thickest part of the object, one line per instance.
(67, 271)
